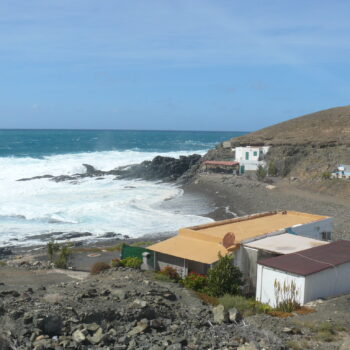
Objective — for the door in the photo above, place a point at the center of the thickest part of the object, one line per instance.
(242, 169)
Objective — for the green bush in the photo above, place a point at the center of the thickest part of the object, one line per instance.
(158, 276)
(272, 170)
(245, 306)
(52, 248)
(195, 281)
(64, 252)
(224, 278)
(171, 273)
(261, 173)
(132, 262)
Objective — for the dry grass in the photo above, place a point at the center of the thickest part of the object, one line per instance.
(297, 345)
(99, 267)
(304, 310)
(208, 299)
(323, 331)
(280, 314)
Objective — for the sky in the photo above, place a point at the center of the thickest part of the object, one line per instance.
(171, 65)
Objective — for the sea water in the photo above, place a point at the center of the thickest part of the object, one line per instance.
(32, 212)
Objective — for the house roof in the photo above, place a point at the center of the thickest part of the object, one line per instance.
(312, 260)
(219, 162)
(203, 243)
(190, 248)
(285, 243)
(256, 225)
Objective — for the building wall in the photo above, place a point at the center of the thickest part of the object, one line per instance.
(265, 290)
(179, 264)
(252, 163)
(182, 266)
(313, 230)
(328, 283)
(246, 259)
(254, 153)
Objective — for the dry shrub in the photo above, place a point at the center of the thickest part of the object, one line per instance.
(116, 262)
(304, 310)
(207, 299)
(280, 314)
(99, 267)
(171, 273)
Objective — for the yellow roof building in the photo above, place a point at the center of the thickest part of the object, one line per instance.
(203, 243)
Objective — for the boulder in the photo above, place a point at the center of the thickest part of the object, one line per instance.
(51, 325)
(96, 337)
(220, 314)
(78, 336)
(234, 315)
(141, 327)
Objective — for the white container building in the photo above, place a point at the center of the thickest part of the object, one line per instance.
(319, 272)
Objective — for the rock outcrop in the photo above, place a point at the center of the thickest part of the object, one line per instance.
(119, 309)
(160, 168)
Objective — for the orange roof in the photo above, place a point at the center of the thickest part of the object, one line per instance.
(190, 248)
(203, 243)
(256, 225)
(219, 162)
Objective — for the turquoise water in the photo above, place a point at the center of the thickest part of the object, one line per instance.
(40, 143)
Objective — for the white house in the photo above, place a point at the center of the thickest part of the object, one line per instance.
(250, 157)
(318, 272)
(342, 172)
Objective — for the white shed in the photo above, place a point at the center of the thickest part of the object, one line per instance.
(318, 272)
(251, 251)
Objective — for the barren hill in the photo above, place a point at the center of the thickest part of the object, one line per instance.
(323, 128)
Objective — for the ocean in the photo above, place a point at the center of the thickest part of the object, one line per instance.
(33, 212)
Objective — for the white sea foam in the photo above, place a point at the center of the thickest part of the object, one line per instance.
(129, 207)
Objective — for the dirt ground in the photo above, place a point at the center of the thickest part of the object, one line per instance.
(242, 196)
(22, 279)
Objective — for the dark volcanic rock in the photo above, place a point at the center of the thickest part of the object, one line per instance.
(160, 168)
(36, 178)
(5, 252)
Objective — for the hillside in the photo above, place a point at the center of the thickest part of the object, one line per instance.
(324, 128)
(304, 149)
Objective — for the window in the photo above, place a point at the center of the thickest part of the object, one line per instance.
(246, 155)
(326, 236)
(255, 153)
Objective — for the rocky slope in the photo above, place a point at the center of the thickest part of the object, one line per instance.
(120, 309)
(323, 128)
(306, 149)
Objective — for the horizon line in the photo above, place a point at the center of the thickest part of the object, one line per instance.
(88, 129)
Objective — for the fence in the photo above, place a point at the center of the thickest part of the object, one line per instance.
(130, 251)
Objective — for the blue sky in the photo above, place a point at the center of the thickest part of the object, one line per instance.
(184, 64)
